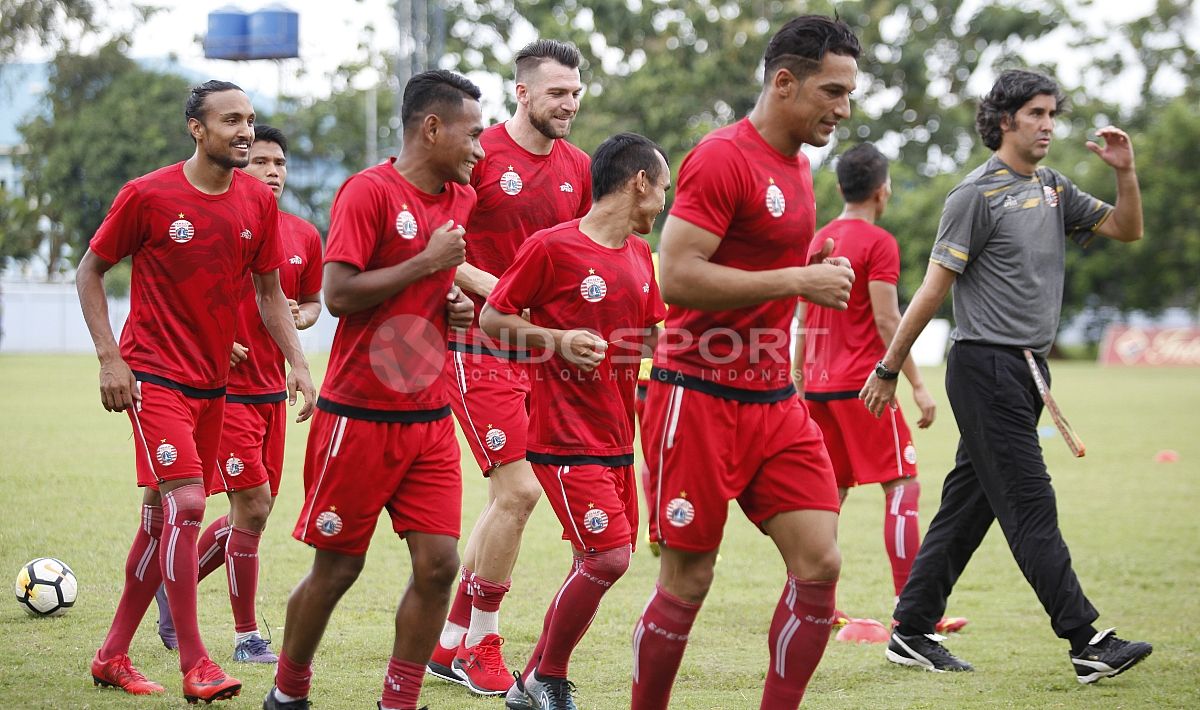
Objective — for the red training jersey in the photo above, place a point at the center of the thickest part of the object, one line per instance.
(191, 252)
(388, 358)
(842, 347)
(568, 281)
(262, 373)
(519, 193)
(760, 203)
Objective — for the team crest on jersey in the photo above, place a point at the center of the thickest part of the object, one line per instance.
(1010, 202)
(246, 234)
(182, 230)
(510, 182)
(1051, 195)
(595, 520)
(910, 455)
(406, 224)
(329, 523)
(680, 512)
(234, 466)
(775, 202)
(166, 454)
(592, 288)
(296, 260)
(495, 439)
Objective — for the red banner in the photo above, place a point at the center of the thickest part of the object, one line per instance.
(1153, 347)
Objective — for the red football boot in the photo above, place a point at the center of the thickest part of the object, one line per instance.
(206, 681)
(118, 672)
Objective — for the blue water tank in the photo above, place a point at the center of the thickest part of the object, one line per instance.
(228, 34)
(274, 33)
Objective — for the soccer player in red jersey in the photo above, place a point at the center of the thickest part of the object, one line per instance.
(593, 303)
(531, 179)
(250, 456)
(382, 438)
(723, 420)
(193, 229)
(836, 350)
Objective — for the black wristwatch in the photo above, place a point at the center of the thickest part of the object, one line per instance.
(883, 373)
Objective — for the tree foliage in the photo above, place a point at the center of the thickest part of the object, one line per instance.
(43, 20)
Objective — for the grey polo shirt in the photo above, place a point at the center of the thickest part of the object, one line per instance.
(1005, 236)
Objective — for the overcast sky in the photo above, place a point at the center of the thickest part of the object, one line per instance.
(331, 32)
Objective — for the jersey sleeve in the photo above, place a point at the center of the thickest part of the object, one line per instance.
(1082, 213)
(121, 232)
(310, 276)
(710, 188)
(653, 309)
(964, 228)
(521, 286)
(353, 227)
(270, 248)
(884, 264)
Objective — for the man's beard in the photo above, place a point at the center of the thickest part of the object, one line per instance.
(229, 162)
(546, 128)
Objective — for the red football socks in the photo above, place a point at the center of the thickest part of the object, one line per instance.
(576, 606)
(799, 634)
(901, 535)
(536, 656)
(211, 546)
(293, 679)
(142, 577)
(402, 684)
(241, 562)
(460, 606)
(183, 509)
(659, 640)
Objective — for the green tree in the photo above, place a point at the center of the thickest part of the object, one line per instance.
(43, 20)
(107, 121)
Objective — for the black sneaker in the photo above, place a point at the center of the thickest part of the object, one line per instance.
(1106, 655)
(924, 651)
(516, 698)
(273, 703)
(550, 693)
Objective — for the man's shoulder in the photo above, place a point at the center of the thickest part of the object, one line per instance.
(298, 225)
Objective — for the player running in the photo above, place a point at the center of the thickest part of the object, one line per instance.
(193, 229)
(723, 420)
(836, 350)
(1001, 244)
(593, 303)
(530, 179)
(382, 438)
(250, 456)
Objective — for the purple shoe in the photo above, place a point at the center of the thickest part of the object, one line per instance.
(166, 625)
(254, 650)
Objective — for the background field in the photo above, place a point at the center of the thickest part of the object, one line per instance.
(66, 490)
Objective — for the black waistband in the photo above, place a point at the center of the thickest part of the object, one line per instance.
(477, 349)
(830, 396)
(383, 415)
(579, 460)
(256, 398)
(737, 394)
(192, 392)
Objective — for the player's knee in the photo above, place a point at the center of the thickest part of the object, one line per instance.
(825, 565)
(333, 574)
(252, 509)
(184, 503)
(519, 497)
(608, 565)
(436, 571)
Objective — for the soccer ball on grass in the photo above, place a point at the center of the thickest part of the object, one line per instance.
(46, 587)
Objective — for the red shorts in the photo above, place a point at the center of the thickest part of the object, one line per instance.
(354, 469)
(865, 448)
(490, 399)
(703, 451)
(251, 451)
(596, 504)
(176, 436)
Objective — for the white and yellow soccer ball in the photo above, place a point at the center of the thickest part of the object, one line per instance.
(46, 587)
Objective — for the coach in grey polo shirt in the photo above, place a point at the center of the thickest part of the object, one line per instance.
(1001, 245)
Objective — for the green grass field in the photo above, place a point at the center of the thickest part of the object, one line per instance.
(67, 490)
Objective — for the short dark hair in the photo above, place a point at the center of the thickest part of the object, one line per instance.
(436, 89)
(801, 44)
(194, 108)
(619, 158)
(270, 134)
(538, 52)
(1013, 89)
(860, 172)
